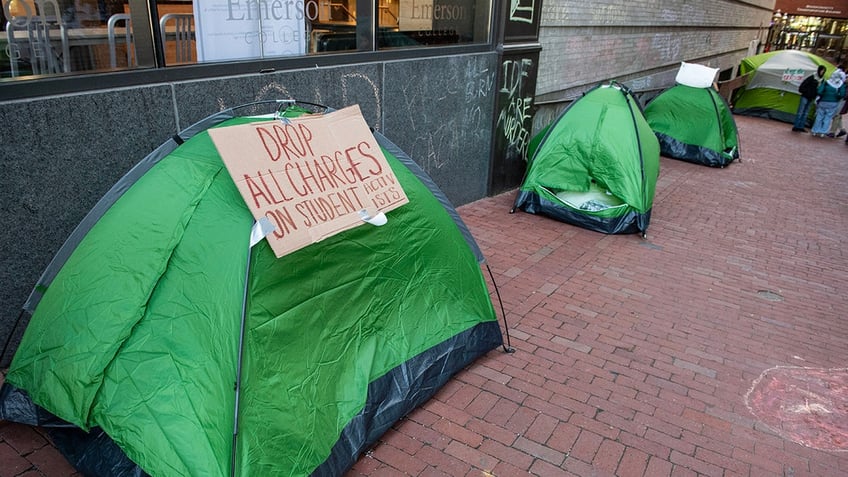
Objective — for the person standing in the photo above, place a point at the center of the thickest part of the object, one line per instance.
(830, 92)
(809, 90)
(837, 129)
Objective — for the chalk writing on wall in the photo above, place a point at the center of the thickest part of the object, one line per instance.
(272, 91)
(478, 85)
(354, 88)
(521, 11)
(350, 80)
(447, 116)
(514, 119)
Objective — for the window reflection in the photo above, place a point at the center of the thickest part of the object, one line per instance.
(430, 22)
(45, 37)
(177, 31)
(53, 37)
(334, 28)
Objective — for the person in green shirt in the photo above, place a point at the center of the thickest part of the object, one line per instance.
(830, 92)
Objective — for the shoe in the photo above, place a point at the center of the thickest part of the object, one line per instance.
(830, 135)
(841, 133)
(794, 129)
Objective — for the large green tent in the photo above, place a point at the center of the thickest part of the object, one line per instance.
(772, 90)
(694, 125)
(596, 165)
(134, 341)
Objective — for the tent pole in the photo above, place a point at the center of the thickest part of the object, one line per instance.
(239, 363)
(261, 228)
(508, 346)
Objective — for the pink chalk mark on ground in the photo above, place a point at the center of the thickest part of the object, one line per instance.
(806, 405)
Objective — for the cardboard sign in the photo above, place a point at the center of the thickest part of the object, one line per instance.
(312, 176)
(696, 75)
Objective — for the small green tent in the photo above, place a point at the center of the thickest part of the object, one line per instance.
(596, 165)
(135, 327)
(694, 125)
(772, 91)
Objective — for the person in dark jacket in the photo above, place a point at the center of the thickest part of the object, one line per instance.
(830, 92)
(809, 90)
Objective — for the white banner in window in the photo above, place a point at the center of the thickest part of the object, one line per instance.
(234, 29)
(415, 15)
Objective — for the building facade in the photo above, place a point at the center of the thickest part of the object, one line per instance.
(640, 44)
(820, 28)
(460, 86)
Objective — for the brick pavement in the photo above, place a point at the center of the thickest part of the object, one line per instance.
(634, 357)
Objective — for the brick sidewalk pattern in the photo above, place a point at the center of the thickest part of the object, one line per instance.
(633, 357)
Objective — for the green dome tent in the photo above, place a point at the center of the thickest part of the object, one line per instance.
(772, 91)
(694, 125)
(133, 347)
(596, 165)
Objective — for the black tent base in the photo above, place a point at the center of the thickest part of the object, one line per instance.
(671, 147)
(630, 223)
(93, 453)
(390, 397)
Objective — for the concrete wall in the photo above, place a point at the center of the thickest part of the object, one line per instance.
(637, 42)
(61, 154)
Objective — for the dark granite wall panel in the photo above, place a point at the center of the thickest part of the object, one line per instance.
(59, 157)
(439, 111)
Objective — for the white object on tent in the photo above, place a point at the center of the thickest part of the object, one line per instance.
(695, 75)
(261, 229)
(373, 218)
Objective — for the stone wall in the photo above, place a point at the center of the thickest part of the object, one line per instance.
(638, 43)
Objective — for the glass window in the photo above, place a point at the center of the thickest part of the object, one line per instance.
(431, 22)
(59, 37)
(51, 37)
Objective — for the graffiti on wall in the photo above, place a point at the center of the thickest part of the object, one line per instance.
(479, 84)
(448, 112)
(515, 116)
(354, 88)
(513, 119)
(521, 11)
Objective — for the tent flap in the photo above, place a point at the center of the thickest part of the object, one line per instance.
(600, 144)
